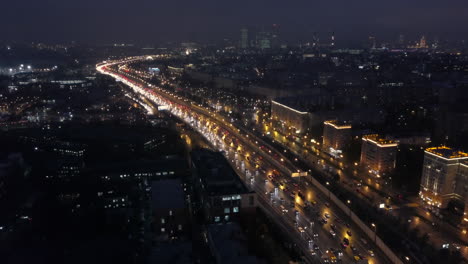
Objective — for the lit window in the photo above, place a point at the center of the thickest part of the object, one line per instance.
(217, 219)
(163, 220)
(227, 210)
(235, 209)
(170, 212)
(179, 227)
(163, 230)
(226, 217)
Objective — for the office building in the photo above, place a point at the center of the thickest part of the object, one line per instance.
(264, 40)
(244, 41)
(378, 155)
(336, 135)
(444, 176)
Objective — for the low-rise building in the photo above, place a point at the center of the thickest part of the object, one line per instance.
(222, 193)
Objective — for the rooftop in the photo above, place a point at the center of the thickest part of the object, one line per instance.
(337, 124)
(447, 152)
(216, 173)
(291, 103)
(378, 140)
(167, 194)
(229, 243)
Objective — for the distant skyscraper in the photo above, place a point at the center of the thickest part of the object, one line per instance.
(332, 43)
(264, 40)
(315, 40)
(422, 43)
(435, 44)
(244, 43)
(275, 36)
(401, 40)
(372, 42)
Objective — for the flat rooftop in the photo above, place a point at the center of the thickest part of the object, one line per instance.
(447, 152)
(216, 173)
(230, 243)
(292, 103)
(338, 124)
(380, 141)
(167, 194)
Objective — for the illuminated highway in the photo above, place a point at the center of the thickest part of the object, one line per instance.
(299, 208)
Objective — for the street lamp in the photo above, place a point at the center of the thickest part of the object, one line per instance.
(349, 207)
(375, 232)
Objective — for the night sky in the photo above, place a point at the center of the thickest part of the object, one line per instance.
(100, 21)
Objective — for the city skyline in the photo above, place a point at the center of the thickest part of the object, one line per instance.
(91, 22)
(211, 132)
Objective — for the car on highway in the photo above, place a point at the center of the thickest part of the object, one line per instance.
(333, 227)
(331, 256)
(283, 209)
(316, 247)
(338, 252)
(353, 249)
(327, 215)
(345, 242)
(349, 233)
(300, 194)
(371, 252)
(332, 233)
(359, 260)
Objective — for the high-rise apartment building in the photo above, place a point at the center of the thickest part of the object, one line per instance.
(336, 135)
(378, 155)
(444, 176)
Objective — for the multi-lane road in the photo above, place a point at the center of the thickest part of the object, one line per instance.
(314, 223)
